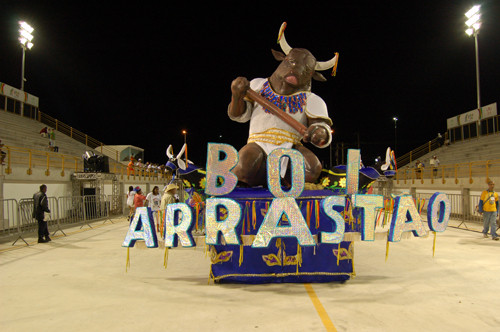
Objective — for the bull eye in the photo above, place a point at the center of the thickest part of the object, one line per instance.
(291, 62)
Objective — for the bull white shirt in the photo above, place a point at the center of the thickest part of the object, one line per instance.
(269, 131)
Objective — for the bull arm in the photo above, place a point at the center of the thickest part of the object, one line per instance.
(318, 133)
(239, 88)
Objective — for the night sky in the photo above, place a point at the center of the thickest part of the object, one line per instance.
(141, 74)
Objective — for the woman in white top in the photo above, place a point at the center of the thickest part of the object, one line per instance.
(153, 200)
(130, 201)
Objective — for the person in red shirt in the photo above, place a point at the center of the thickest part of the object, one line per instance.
(130, 167)
(139, 198)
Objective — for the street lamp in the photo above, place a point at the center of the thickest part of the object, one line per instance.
(473, 24)
(395, 119)
(184, 132)
(25, 38)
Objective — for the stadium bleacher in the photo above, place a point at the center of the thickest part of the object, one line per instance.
(24, 132)
(474, 149)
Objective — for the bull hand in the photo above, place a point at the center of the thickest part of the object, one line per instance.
(239, 88)
(316, 134)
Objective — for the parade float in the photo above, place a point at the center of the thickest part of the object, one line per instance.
(268, 212)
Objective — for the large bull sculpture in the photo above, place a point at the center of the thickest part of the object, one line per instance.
(289, 88)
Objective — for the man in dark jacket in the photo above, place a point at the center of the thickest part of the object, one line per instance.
(40, 206)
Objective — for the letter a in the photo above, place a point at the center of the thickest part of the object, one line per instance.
(141, 228)
(405, 218)
(269, 228)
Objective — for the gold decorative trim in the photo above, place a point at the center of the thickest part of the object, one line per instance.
(274, 136)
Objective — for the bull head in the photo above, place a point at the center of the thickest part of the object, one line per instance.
(319, 65)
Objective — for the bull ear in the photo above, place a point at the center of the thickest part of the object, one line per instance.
(318, 77)
(179, 156)
(170, 152)
(278, 55)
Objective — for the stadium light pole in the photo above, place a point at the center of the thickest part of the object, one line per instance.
(395, 119)
(473, 25)
(25, 39)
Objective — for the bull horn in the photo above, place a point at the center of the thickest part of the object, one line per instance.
(282, 41)
(320, 65)
(332, 63)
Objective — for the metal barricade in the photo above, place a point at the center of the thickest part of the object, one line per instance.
(52, 218)
(70, 209)
(470, 212)
(27, 223)
(116, 203)
(95, 207)
(463, 208)
(9, 217)
(17, 217)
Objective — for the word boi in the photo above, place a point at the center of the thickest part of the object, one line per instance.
(222, 158)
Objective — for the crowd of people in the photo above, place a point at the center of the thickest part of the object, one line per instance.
(420, 166)
(137, 167)
(156, 200)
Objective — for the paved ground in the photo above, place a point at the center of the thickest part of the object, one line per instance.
(79, 283)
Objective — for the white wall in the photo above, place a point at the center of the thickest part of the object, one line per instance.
(26, 190)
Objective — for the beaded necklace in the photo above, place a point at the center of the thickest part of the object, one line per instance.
(291, 104)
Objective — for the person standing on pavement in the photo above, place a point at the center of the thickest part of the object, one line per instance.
(139, 198)
(488, 207)
(153, 200)
(40, 206)
(130, 201)
(168, 196)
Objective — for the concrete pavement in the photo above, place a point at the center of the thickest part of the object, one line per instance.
(79, 283)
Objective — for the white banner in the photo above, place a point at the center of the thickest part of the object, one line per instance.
(452, 122)
(17, 94)
(469, 117)
(472, 116)
(489, 111)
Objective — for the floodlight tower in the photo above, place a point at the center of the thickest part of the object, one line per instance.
(473, 24)
(25, 38)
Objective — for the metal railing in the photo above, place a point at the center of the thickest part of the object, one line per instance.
(465, 132)
(449, 173)
(50, 161)
(40, 159)
(463, 208)
(420, 151)
(116, 204)
(36, 114)
(16, 216)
